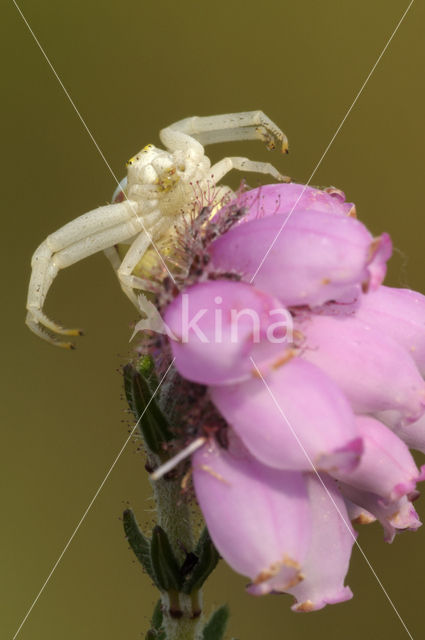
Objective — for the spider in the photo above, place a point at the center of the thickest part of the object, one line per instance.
(157, 192)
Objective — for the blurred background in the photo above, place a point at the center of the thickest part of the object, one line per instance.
(132, 68)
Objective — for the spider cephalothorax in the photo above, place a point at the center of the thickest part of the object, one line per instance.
(161, 189)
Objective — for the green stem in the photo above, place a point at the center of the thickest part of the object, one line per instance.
(182, 613)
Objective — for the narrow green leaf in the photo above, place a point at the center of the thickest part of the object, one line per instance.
(216, 625)
(138, 542)
(153, 424)
(204, 539)
(157, 616)
(163, 561)
(208, 558)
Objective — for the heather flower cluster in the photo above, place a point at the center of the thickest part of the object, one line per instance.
(319, 424)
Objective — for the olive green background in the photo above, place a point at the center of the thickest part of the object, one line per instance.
(132, 68)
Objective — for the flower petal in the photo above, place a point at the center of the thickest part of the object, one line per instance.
(298, 420)
(219, 324)
(386, 466)
(412, 434)
(258, 517)
(373, 371)
(315, 258)
(400, 313)
(329, 554)
(358, 515)
(396, 516)
(273, 199)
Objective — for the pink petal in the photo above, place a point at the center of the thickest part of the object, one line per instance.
(412, 434)
(396, 516)
(258, 517)
(317, 257)
(358, 515)
(373, 371)
(400, 313)
(329, 554)
(291, 198)
(380, 252)
(386, 466)
(230, 322)
(301, 419)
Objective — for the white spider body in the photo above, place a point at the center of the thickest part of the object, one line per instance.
(157, 194)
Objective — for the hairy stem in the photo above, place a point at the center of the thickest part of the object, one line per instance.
(182, 613)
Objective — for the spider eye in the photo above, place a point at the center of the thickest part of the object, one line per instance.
(147, 148)
(132, 160)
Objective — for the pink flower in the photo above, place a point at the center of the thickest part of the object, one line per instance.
(316, 368)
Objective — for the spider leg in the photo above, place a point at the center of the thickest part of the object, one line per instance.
(225, 165)
(246, 125)
(114, 258)
(92, 232)
(133, 256)
(176, 140)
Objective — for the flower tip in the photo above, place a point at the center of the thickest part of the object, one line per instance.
(278, 578)
(364, 518)
(403, 488)
(404, 519)
(421, 476)
(380, 252)
(309, 605)
(345, 458)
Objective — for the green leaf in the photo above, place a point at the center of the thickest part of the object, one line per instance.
(163, 560)
(208, 558)
(138, 542)
(153, 424)
(216, 625)
(157, 616)
(155, 634)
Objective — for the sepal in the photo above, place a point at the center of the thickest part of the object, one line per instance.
(156, 632)
(164, 564)
(216, 625)
(208, 558)
(153, 424)
(139, 543)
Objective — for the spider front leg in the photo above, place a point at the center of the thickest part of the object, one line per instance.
(88, 234)
(132, 258)
(114, 258)
(246, 125)
(219, 170)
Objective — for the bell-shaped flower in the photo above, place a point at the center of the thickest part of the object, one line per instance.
(258, 518)
(316, 257)
(294, 418)
(329, 552)
(386, 466)
(219, 325)
(412, 434)
(271, 199)
(399, 313)
(372, 369)
(395, 516)
(313, 375)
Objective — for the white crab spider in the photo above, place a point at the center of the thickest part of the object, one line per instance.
(158, 190)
